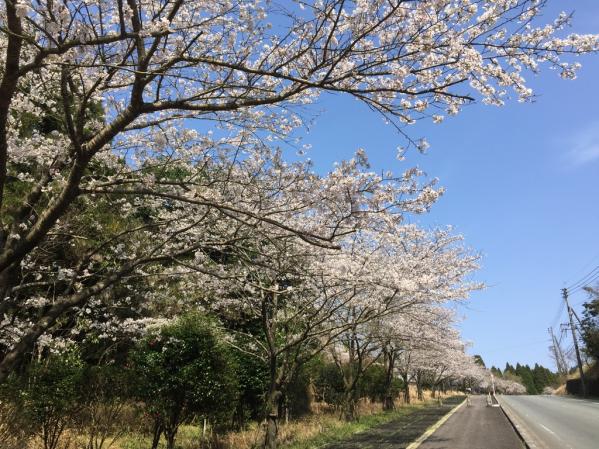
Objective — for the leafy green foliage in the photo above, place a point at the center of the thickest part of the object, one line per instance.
(252, 378)
(298, 393)
(590, 326)
(50, 394)
(185, 370)
(328, 382)
(373, 384)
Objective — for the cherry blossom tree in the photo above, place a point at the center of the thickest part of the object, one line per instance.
(422, 343)
(163, 105)
(420, 272)
(304, 299)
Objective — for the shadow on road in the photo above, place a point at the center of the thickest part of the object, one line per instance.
(399, 433)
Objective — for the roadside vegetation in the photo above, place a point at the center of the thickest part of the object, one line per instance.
(184, 385)
(589, 329)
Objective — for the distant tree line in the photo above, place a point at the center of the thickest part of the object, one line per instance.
(536, 380)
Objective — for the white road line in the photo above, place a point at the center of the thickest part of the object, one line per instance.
(553, 433)
(547, 429)
(432, 429)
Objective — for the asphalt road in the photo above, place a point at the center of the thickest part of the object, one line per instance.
(401, 432)
(475, 427)
(554, 422)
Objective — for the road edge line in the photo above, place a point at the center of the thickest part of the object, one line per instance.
(519, 428)
(432, 429)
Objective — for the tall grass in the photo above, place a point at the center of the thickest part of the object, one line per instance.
(324, 425)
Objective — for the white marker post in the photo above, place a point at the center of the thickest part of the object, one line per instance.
(494, 402)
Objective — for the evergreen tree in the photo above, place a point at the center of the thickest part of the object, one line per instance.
(590, 325)
(479, 360)
(509, 369)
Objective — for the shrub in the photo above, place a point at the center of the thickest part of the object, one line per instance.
(252, 375)
(104, 406)
(185, 371)
(373, 384)
(328, 382)
(49, 395)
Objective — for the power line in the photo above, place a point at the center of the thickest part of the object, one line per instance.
(587, 282)
(588, 264)
(560, 311)
(584, 280)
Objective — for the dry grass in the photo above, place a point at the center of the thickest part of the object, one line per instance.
(590, 371)
(325, 419)
(560, 391)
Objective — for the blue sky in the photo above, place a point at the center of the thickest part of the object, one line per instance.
(522, 187)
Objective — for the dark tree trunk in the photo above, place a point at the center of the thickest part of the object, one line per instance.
(272, 419)
(156, 432)
(170, 435)
(171, 426)
(388, 402)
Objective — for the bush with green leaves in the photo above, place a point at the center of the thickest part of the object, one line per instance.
(328, 381)
(49, 394)
(373, 384)
(297, 396)
(252, 377)
(185, 371)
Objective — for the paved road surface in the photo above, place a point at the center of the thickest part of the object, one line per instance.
(475, 427)
(398, 434)
(556, 422)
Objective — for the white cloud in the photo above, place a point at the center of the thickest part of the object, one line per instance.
(584, 146)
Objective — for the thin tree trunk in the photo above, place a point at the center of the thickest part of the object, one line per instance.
(406, 390)
(419, 387)
(156, 432)
(170, 438)
(388, 402)
(171, 426)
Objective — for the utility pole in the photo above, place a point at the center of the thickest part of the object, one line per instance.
(573, 329)
(560, 359)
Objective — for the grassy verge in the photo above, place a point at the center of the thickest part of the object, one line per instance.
(308, 433)
(314, 431)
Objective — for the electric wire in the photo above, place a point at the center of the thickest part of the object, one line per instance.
(585, 284)
(585, 279)
(588, 264)
(559, 314)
